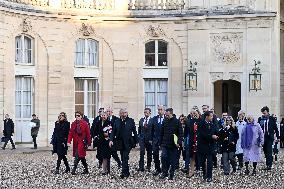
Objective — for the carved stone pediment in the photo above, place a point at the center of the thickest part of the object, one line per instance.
(216, 76)
(86, 30)
(155, 31)
(26, 25)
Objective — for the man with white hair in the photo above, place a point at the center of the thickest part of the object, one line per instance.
(123, 129)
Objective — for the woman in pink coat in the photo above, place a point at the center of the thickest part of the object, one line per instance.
(251, 142)
(80, 134)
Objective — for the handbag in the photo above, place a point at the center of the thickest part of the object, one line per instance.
(132, 142)
(2, 139)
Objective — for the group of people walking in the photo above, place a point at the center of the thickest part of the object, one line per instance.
(198, 137)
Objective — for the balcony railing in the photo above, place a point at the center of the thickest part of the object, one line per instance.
(156, 4)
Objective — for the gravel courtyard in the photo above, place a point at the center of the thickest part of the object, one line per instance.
(27, 169)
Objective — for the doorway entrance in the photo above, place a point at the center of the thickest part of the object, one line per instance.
(227, 97)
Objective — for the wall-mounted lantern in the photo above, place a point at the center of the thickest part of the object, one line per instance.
(191, 77)
(255, 77)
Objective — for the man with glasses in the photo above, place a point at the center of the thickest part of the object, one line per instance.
(145, 139)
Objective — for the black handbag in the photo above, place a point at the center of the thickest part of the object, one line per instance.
(133, 142)
(2, 139)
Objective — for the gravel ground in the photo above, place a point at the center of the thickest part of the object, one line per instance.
(34, 170)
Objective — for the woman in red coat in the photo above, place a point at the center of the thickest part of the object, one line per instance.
(80, 134)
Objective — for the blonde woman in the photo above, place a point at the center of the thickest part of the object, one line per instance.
(229, 136)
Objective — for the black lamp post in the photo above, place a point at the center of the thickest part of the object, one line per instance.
(191, 77)
(255, 77)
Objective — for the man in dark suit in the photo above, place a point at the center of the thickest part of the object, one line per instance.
(269, 127)
(8, 131)
(112, 118)
(170, 139)
(206, 144)
(156, 132)
(124, 128)
(145, 139)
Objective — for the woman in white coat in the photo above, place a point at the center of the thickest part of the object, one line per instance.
(240, 124)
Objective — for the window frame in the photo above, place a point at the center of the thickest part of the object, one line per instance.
(156, 53)
(86, 92)
(86, 61)
(22, 50)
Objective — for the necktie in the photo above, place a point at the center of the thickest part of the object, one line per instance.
(145, 124)
(266, 127)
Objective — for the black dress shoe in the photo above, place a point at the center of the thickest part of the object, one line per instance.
(171, 177)
(253, 172)
(268, 168)
(67, 170)
(13, 148)
(209, 180)
(156, 173)
(247, 172)
(184, 171)
(85, 172)
(3, 148)
(226, 173)
(163, 176)
(56, 172)
(140, 170)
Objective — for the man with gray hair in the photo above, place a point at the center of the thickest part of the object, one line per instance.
(123, 130)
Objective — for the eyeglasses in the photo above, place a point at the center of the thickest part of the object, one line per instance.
(62, 115)
(77, 115)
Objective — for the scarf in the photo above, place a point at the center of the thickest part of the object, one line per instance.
(246, 141)
(78, 128)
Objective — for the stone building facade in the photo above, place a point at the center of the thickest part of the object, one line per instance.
(62, 55)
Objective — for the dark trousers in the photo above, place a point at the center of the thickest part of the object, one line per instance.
(7, 139)
(124, 161)
(267, 149)
(214, 159)
(59, 159)
(145, 146)
(34, 141)
(156, 155)
(207, 169)
(282, 142)
(115, 157)
(228, 158)
(240, 160)
(76, 162)
(169, 159)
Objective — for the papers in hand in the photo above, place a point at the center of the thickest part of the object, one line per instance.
(32, 124)
(175, 139)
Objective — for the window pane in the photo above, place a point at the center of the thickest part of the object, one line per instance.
(80, 108)
(149, 99)
(91, 98)
(92, 52)
(150, 59)
(18, 111)
(79, 98)
(162, 99)
(92, 85)
(27, 98)
(92, 110)
(79, 85)
(162, 86)
(18, 97)
(18, 83)
(80, 50)
(162, 47)
(27, 42)
(27, 111)
(18, 49)
(162, 60)
(27, 50)
(149, 86)
(27, 84)
(150, 47)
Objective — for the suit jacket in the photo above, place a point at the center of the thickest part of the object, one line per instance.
(94, 125)
(156, 129)
(169, 128)
(123, 130)
(272, 128)
(205, 143)
(145, 133)
(60, 137)
(8, 127)
(113, 120)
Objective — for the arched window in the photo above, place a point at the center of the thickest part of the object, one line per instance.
(87, 52)
(24, 50)
(156, 53)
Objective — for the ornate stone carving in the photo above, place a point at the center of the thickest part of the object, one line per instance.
(155, 31)
(226, 47)
(251, 4)
(26, 25)
(215, 76)
(86, 30)
(235, 76)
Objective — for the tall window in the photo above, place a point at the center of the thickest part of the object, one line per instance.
(87, 52)
(24, 97)
(156, 93)
(86, 96)
(156, 53)
(24, 49)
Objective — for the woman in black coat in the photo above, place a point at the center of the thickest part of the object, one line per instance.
(191, 132)
(104, 130)
(228, 137)
(59, 141)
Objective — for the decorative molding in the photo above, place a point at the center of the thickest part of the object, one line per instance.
(86, 30)
(235, 76)
(251, 4)
(216, 76)
(155, 31)
(26, 25)
(226, 47)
